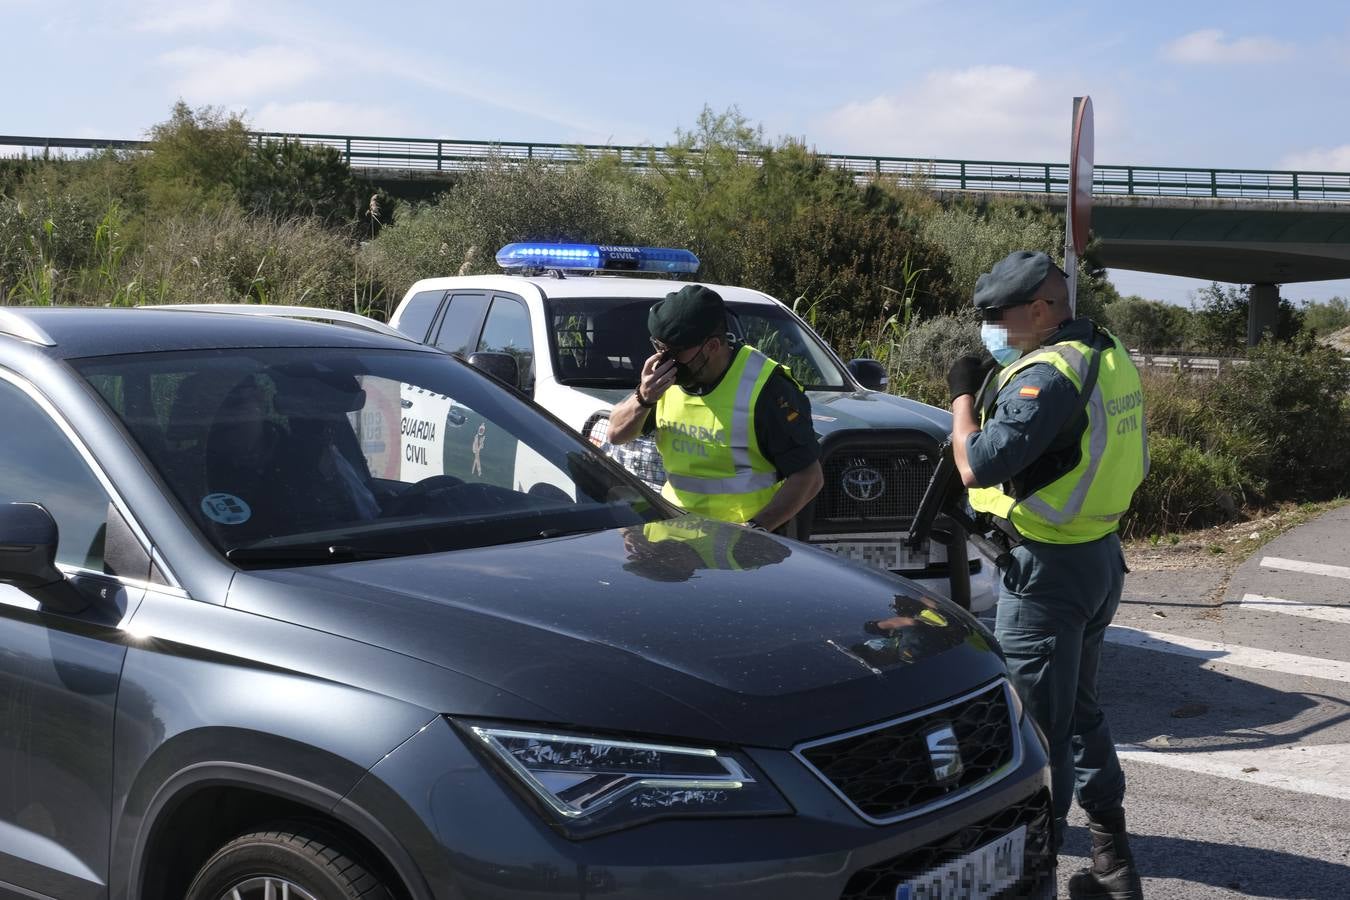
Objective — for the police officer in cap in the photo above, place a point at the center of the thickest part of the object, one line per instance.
(733, 427)
(1049, 438)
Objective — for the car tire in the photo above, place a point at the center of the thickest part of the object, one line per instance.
(309, 863)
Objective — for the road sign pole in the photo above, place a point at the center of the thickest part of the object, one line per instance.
(1078, 206)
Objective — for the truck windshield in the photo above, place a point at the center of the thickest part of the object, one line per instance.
(305, 455)
(604, 342)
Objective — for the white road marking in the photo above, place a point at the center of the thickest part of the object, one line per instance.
(1215, 655)
(1325, 612)
(1312, 568)
(1321, 769)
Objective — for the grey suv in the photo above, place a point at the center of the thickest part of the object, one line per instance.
(292, 610)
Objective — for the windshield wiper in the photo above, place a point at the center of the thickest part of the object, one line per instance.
(323, 553)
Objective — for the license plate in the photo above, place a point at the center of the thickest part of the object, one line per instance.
(979, 875)
(891, 555)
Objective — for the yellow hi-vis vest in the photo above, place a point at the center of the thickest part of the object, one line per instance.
(713, 463)
(1086, 502)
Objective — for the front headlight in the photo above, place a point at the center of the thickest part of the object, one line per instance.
(598, 784)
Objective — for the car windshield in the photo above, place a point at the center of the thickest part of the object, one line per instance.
(604, 342)
(298, 455)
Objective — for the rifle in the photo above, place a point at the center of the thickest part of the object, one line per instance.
(945, 497)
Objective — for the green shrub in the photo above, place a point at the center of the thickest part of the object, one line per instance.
(1286, 412)
(229, 257)
(502, 202)
(290, 180)
(922, 355)
(1186, 487)
(44, 242)
(1148, 325)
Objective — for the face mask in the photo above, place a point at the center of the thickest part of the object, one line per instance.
(995, 338)
(687, 374)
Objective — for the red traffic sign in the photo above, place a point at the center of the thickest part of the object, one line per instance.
(1080, 173)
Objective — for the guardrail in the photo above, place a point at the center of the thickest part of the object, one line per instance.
(435, 155)
(1181, 362)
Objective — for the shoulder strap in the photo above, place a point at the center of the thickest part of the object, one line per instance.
(988, 393)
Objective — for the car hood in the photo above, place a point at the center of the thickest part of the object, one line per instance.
(835, 411)
(684, 628)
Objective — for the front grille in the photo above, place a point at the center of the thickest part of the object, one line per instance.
(873, 484)
(879, 881)
(887, 772)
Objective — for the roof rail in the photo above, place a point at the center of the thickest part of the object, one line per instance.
(336, 316)
(15, 325)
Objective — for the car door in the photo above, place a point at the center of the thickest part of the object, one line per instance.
(59, 672)
(461, 322)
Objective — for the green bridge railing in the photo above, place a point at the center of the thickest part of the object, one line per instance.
(431, 156)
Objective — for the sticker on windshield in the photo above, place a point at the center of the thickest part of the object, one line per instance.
(227, 509)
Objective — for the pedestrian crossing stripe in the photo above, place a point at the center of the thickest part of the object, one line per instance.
(1311, 568)
(1322, 770)
(1216, 655)
(1325, 612)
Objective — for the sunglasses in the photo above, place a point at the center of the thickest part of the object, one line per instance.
(673, 351)
(996, 313)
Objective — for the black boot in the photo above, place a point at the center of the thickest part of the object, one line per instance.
(1112, 875)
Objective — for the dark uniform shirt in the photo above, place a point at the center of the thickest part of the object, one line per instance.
(1034, 436)
(782, 424)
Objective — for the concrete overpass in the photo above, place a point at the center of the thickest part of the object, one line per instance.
(1253, 226)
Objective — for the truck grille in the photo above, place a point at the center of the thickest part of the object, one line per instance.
(873, 484)
(891, 771)
(879, 881)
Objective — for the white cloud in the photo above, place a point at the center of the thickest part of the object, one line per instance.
(203, 16)
(1319, 159)
(985, 112)
(1209, 46)
(214, 76)
(328, 117)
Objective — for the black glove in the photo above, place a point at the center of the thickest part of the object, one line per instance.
(968, 373)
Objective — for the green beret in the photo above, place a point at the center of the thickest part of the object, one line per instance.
(687, 317)
(1014, 280)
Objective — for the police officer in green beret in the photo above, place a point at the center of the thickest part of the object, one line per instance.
(1049, 438)
(733, 427)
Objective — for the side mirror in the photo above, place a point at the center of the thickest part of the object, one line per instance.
(28, 538)
(501, 366)
(869, 373)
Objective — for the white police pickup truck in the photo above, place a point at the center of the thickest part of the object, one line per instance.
(568, 327)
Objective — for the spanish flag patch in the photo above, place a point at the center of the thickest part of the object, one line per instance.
(1032, 392)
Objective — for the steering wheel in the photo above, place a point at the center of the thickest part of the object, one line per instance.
(417, 497)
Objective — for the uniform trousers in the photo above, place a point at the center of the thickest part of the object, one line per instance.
(1054, 604)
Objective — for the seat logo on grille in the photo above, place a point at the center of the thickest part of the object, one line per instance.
(863, 483)
(944, 752)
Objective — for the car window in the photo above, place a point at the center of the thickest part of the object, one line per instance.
(781, 338)
(418, 314)
(507, 330)
(42, 466)
(459, 325)
(600, 342)
(379, 452)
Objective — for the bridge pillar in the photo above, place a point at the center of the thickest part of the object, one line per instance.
(1263, 312)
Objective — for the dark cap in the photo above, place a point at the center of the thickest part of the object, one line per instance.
(1014, 279)
(687, 317)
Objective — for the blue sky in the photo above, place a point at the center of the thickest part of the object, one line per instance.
(1203, 83)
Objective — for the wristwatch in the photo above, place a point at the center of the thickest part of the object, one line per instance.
(751, 523)
(637, 395)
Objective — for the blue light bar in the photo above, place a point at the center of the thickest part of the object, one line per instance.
(597, 258)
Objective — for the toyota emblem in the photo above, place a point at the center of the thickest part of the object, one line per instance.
(863, 483)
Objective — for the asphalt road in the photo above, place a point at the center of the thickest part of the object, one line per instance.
(1233, 721)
